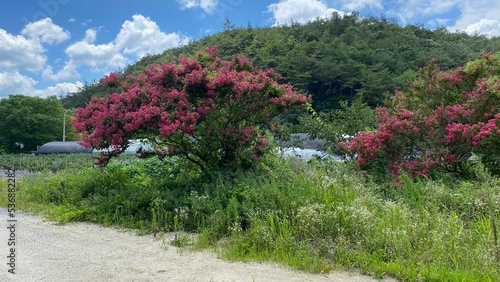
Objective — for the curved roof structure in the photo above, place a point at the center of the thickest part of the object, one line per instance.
(58, 147)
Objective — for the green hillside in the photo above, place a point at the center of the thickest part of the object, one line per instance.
(332, 59)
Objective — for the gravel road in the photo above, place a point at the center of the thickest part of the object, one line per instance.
(88, 252)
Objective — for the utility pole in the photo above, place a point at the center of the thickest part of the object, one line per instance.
(64, 126)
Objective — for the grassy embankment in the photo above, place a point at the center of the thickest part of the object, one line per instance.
(314, 216)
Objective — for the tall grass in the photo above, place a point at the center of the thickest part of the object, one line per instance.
(313, 216)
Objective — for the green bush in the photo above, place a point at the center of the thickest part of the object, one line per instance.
(339, 125)
(313, 216)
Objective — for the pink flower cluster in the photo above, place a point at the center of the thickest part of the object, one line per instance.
(111, 79)
(205, 109)
(438, 122)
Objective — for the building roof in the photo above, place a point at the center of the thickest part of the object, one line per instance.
(58, 147)
(303, 141)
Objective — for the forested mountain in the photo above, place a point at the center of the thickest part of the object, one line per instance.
(332, 59)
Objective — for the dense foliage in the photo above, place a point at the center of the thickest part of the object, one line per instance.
(28, 122)
(314, 216)
(210, 112)
(438, 122)
(339, 125)
(206, 110)
(333, 59)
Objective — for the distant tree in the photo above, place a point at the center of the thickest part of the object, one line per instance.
(334, 59)
(228, 25)
(339, 125)
(84, 94)
(27, 122)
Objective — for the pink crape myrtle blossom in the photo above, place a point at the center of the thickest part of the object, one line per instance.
(208, 110)
(438, 122)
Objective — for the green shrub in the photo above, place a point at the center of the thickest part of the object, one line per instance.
(313, 216)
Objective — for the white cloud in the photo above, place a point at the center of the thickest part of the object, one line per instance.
(67, 72)
(17, 52)
(15, 83)
(86, 22)
(360, 4)
(188, 4)
(136, 38)
(416, 8)
(486, 27)
(25, 52)
(58, 89)
(480, 16)
(432, 7)
(12, 83)
(207, 5)
(90, 35)
(206, 30)
(83, 53)
(142, 35)
(299, 11)
(438, 22)
(45, 31)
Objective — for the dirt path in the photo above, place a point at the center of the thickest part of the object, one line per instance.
(88, 252)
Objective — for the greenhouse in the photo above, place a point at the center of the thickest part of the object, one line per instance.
(58, 147)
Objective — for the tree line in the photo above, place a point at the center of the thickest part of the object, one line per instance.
(28, 122)
(333, 59)
(336, 60)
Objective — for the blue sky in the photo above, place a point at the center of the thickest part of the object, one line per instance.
(51, 47)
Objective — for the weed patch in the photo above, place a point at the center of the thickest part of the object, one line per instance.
(312, 216)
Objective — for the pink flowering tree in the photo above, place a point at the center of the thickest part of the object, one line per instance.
(438, 122)
(211, 112)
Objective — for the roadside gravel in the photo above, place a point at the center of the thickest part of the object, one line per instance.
(88, 252)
